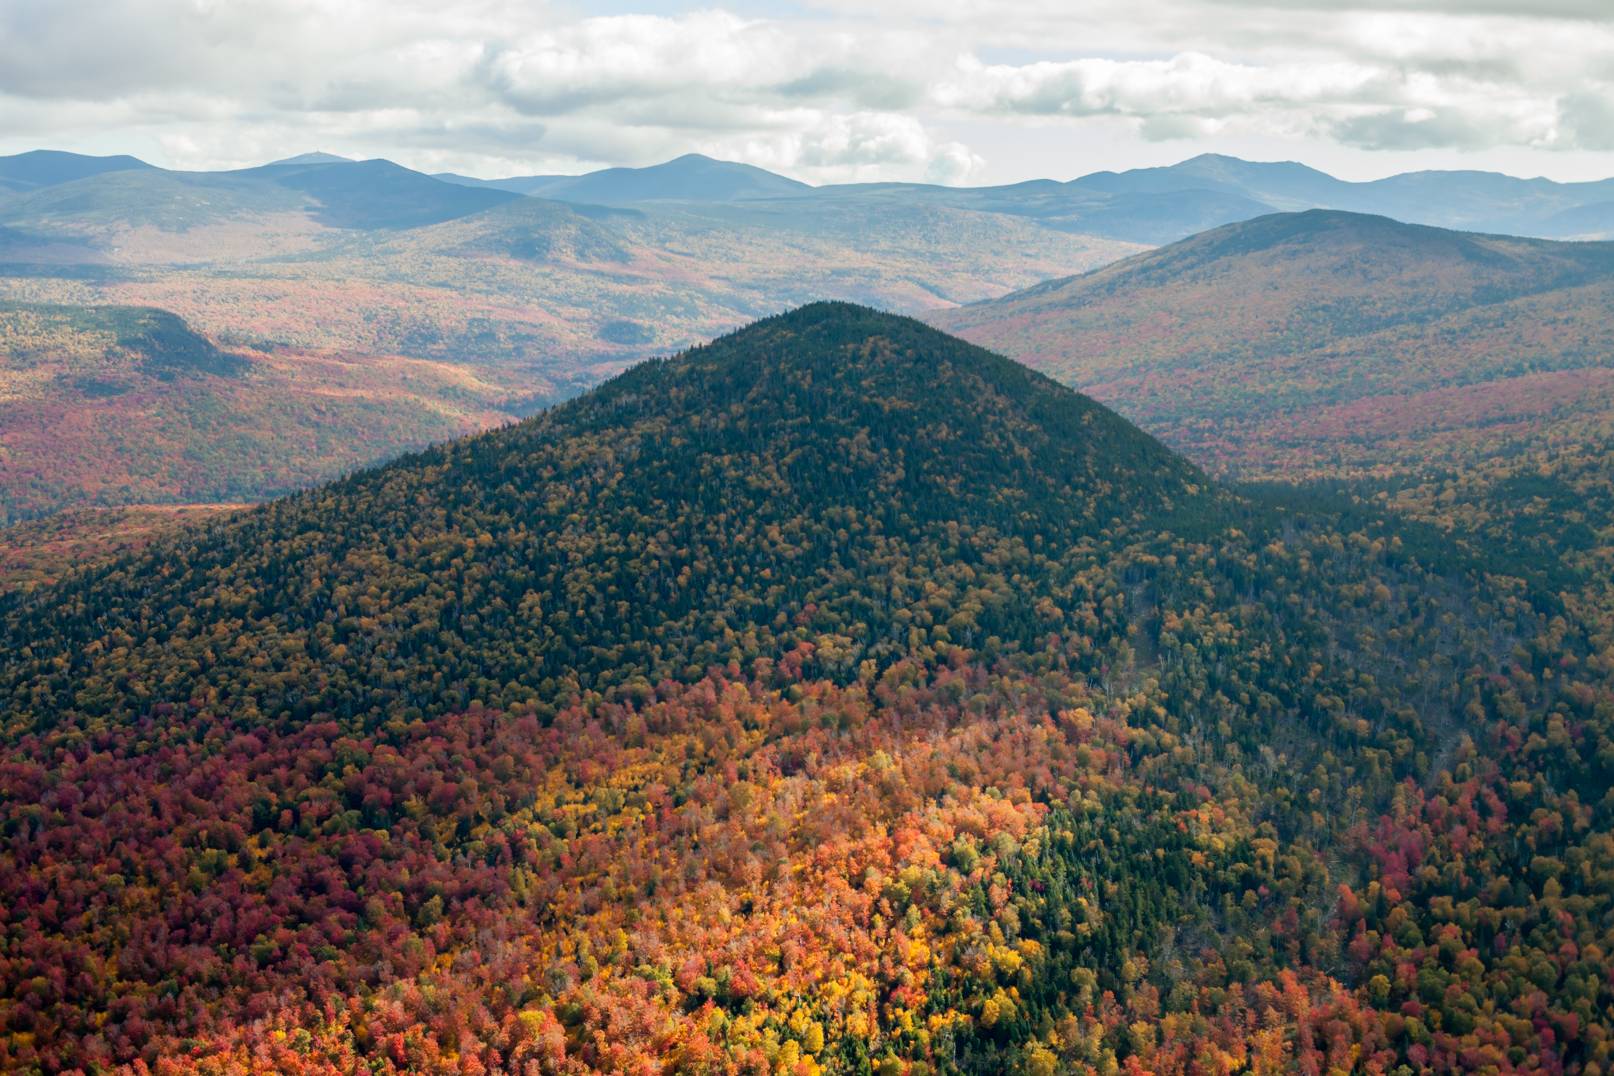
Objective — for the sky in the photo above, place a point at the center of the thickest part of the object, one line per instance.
(951, 91)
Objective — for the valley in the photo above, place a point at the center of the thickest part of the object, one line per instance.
(371, 310)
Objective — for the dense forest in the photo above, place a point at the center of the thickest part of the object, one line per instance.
(837, 696)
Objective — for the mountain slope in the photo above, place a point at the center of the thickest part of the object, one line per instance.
(1281, 185)
(353, 195)
(46, 168)
(834, 695)
(690, 178)
(110, 405)
(816, 408)
(1327, 342)
(386, 335)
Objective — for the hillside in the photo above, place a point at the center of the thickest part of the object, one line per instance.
(1141, 205)
(1328, 344)
(117, 405)
(381, 311)
(41, 551)
(837, 695)
(690, 178)
(46, 168)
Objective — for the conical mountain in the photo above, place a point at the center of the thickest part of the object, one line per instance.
(835, 697)
(816, 477)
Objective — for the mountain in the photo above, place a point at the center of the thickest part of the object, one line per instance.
(316, 157)
(690, 178)
(795, 413)
(364, 195)
(376, 194)
(1476, 201)
(1326, 343)
(381, 310)
(834, 695)
(46, 168)
(1269, 183)
(1482, 201)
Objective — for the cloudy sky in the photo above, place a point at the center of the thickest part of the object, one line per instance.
(956, 91)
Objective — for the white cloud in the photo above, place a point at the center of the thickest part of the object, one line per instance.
(1189, 84)
(841, 90)
(630, 58)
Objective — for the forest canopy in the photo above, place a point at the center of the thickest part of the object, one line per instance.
(837, 696)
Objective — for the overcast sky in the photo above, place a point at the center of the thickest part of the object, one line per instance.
(955, 91)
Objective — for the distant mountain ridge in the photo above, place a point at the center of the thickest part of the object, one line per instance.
(381, 307)
(1326, 342)
(47, 167)
(692, 177)
(1142, 205)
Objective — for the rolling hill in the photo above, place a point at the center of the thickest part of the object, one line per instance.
(834, 695)
(381, 310)
(1329, 344)
(46, 168)
(406, 308)
(118, 405)
(1143, 205)
(693, 177)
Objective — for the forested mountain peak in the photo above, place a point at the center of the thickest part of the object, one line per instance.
(724, 504)
(526, 753)
(834, 370)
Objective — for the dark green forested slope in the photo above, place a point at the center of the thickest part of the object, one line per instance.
(836, 697)
(829, 474)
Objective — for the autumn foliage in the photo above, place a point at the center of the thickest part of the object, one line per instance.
(835, 698)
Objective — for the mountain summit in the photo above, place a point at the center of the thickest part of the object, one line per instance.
(1274, 344)
(836, 696)
(734, 484)
(315, 157)
(693, 177)
(41, 168)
